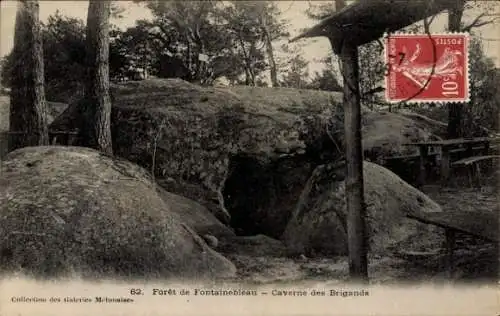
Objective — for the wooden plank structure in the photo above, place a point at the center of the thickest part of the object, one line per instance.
(352, 26)
(470, 163)
(456, 141)
(480, 224)
(447, 147)
(366, 20)
(473, 160)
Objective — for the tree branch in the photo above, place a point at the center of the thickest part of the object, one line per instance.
(478, 23)
(427, 23)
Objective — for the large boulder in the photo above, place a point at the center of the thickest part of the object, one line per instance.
(195, 215)
(73, 209)
(242, 152)
(438, 128)
(318, 225)
(384, 134)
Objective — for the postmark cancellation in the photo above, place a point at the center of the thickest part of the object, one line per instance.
(427, 67)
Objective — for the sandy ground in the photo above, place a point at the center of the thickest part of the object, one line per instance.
(475, 260)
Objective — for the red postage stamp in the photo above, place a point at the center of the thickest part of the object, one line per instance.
(427, 68)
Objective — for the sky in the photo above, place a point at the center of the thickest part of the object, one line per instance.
(293, 11)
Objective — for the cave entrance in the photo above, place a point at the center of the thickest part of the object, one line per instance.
(261, 195)
(245, 193)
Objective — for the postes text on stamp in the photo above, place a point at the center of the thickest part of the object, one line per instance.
(427, 68)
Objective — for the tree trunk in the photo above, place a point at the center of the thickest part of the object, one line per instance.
(455, 109)
(97, 132)
(28, 107)
(354, 187)
(272, 61)
(251, 65)
(339, 5)
(270, 53)
(249, 77)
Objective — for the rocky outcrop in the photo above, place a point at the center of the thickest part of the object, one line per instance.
(384, 134)
(72, 210)
(195, 215)
(242, 152)
(318, 225)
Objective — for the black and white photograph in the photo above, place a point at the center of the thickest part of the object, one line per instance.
(255, 151)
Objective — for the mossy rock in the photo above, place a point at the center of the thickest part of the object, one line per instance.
(73, 210)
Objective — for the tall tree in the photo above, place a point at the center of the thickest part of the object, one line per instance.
(198, 33)
(97, 111)
(455, 16)
(63, 58)
(270, 52)
(244, 25)
(455, 109)
(137, 48)
(272, 29)
(372, 68)
(480, 116)
(28, 108)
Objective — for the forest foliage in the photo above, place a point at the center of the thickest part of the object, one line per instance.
(244, 43)
(199, 42)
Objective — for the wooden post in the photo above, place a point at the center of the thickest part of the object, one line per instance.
(345, 32)
(455, 109)
(445, 163)
(422, 176)
(469, 152)
(486, 150)
(357, 238)
(478, 174)
(450, 247)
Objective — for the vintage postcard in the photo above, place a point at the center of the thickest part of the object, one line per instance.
(249, 157)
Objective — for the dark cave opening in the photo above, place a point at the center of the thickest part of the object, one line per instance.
(245, 192)
(261, 195)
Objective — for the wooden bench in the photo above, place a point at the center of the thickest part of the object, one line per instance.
(480, 224)
(449, 147)
(474, 162)
(409, 157)
(470, 150)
